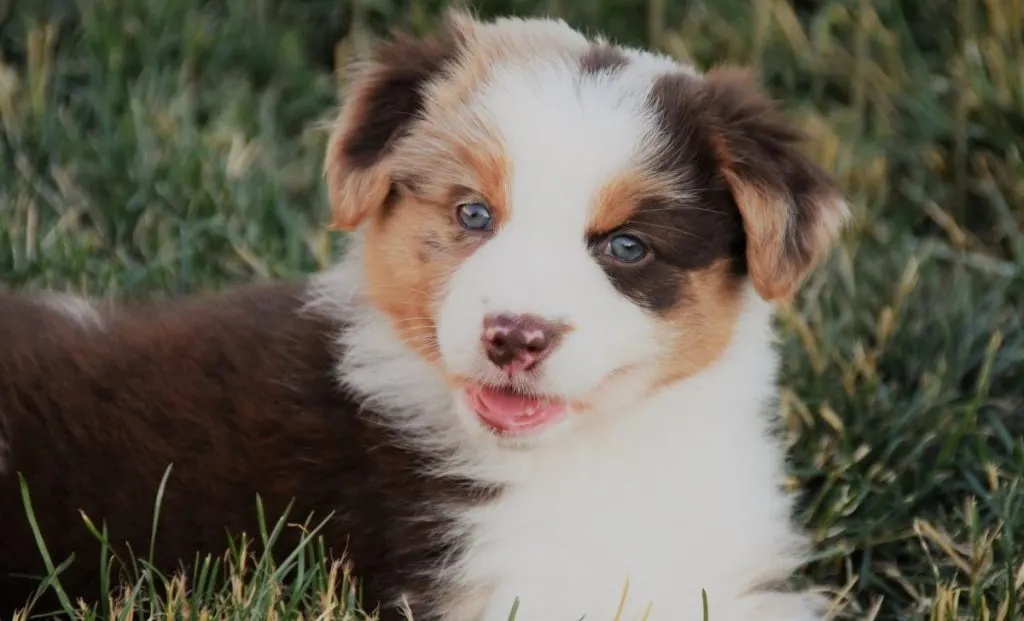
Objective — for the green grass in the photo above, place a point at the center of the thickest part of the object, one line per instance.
(243, 583)
(157, 147)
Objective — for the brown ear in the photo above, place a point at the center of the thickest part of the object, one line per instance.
(385, 98)
(792, 210)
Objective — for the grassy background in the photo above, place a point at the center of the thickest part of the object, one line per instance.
(156, 147)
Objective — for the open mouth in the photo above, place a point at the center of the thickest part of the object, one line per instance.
(511, 413)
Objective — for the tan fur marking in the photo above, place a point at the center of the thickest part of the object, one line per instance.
(456, 150)
(766, 220)
(351, 200)
(776, 271)
(490, 44)
(701, 327)
(404, 276)
(619, 199)
(413, 250)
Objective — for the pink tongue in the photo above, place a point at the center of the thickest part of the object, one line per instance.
(509, 412)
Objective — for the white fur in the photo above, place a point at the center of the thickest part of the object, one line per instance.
(679, 493)
(676, 493)
(75, 308)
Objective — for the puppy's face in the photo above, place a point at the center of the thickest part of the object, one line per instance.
(551, 221)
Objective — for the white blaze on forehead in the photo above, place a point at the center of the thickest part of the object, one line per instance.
(564, 136)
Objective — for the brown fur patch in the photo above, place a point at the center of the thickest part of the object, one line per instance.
(238, 392)
(411, 253)
(409, 257)
(490, 44)
(385, 98)
(456, 157)
(791, 208)
(772, 274)
(620, 198)
(603, 58)
(5, 449)
(700, 328)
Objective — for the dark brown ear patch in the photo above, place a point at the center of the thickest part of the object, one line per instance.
(383, 102)
(391, 96)
(791, 209)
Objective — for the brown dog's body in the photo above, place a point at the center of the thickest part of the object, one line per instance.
(238, 392)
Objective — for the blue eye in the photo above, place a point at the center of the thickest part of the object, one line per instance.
(475, 216)
(626, 248)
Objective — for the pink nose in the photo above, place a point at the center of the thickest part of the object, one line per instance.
(517, 343)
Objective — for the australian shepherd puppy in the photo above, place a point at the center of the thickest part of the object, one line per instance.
(543, 370)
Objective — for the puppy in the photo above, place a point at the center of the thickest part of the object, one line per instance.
(543, 370)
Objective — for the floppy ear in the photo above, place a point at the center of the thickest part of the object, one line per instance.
(384, 99)
(792, 210)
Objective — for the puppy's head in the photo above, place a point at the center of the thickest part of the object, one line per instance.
(547, 218)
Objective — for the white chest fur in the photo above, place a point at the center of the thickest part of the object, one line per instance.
(681, 494)
(676, 495)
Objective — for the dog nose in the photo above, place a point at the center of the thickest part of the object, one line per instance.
(519, 342)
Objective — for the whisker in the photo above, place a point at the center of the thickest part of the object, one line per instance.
(682, 208)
